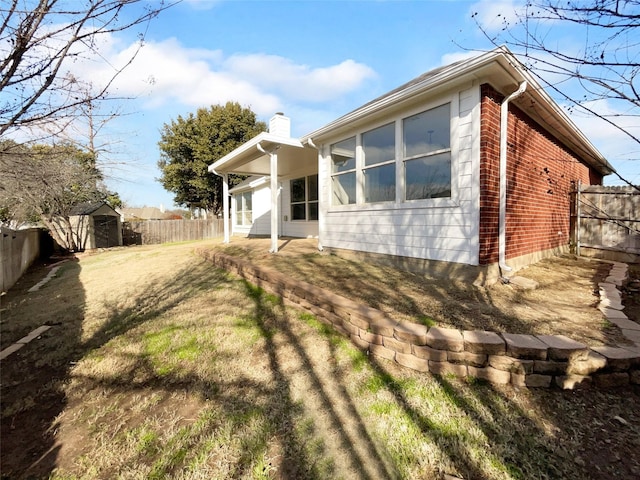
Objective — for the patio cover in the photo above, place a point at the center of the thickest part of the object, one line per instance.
(266, 154)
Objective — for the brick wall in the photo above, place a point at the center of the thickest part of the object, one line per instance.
(540, 176)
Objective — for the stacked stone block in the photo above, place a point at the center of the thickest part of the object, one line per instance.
(522, 360)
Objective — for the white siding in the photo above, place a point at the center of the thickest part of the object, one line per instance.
(291, 228)
(438, 229)
(261, 201)
(262, 215)
(261, 211)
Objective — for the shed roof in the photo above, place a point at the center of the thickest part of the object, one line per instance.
(88, 208)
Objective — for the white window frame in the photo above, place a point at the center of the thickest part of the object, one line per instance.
(307, 202)
(363, 167)
(400, 203)
(243, 211)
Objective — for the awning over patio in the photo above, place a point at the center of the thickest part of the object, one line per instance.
(253, 157)
(273, 154)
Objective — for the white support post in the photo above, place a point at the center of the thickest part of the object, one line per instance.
(274, 202)
(225, 206)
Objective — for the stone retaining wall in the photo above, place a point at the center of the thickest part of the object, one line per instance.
(522, 360)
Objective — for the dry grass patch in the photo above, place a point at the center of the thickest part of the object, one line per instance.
(161, 366)
(564, 304)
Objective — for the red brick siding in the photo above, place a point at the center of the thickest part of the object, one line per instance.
(540, 172)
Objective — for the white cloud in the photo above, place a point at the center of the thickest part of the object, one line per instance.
(170, 73)
(449, 58)
(300, 82)
(612, 141)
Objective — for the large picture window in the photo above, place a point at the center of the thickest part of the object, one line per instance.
(304, 198)
(244, 208)
(427, 154)
(343, 170)
(379, 152)
(365, 167)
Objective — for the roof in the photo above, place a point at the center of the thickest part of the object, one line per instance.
(504, 72)
(142, 213)
(87, 208)
(250, 183)
(499, 67)
(252, 157)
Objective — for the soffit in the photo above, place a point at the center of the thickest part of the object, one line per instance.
(248, 159)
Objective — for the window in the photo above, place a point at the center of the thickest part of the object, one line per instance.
(244, 208)
(379, 152)
(427, 154)
(343, 169)
(304, 198)
(365, 168)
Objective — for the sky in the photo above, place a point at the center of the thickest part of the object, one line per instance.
(312, 60)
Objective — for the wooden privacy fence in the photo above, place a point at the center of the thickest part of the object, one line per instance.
(606, 222)
(149, 232)
(18, 250)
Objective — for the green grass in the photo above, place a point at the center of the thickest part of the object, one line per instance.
(180, 371)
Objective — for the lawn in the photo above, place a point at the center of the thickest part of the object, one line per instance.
(158, 365)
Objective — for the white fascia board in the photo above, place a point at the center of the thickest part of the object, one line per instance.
(572, 135)
(248, 151)
(447, 76)
(249, 184)
(259, 181)
(499, 61)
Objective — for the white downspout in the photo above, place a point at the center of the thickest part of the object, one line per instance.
(502, 217)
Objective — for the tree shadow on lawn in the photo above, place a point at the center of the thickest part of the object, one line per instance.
(452, 303)
(33, 379)
(364, 455)
(32, 450)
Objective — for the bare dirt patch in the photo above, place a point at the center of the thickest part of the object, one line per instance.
(565, 303)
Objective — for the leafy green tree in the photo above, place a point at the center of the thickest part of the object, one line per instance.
(189, 145)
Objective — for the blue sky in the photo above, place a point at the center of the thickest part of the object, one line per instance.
(313, 60)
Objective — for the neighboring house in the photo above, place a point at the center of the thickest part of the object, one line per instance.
(96, 225)
(131, 214)
(425, 175)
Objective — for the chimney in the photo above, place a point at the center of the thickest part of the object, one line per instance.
(280, 125)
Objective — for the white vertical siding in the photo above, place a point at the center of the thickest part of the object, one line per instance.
(441, 229)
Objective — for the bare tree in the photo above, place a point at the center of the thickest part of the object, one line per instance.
(601, 63)
(46, 183)
(38, 41)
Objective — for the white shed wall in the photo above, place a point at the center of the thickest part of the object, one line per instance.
(439, 229)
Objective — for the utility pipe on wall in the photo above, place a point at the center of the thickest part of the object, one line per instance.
(502, 215)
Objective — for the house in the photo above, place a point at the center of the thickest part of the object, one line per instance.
(95, 225)
(470, 164)
(133, 214)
